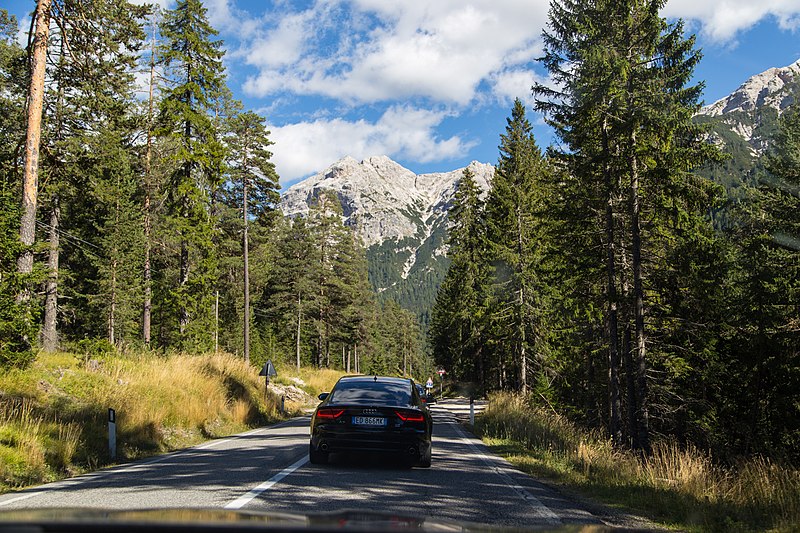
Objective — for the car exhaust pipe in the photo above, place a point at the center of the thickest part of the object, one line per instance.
(324, 446)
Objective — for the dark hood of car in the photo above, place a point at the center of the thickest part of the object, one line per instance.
(212, 520)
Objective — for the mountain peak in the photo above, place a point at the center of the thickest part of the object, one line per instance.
(769, 88)
(381, 198)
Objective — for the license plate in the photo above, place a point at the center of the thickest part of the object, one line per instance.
(369, 421)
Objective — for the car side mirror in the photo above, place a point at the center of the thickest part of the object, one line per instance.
(322, 396)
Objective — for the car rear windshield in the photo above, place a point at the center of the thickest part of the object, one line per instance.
(372, 392)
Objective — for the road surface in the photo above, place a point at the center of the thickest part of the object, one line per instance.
(268, 470)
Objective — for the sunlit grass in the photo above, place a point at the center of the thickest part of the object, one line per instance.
(677, 486)
(53, 415)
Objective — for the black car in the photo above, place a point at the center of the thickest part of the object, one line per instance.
(426, 396)
(372, 414)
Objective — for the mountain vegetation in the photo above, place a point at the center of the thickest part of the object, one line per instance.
(152, 223)
(593, 277)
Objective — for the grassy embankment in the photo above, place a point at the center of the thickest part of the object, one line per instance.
(678, 488)
(54, 414)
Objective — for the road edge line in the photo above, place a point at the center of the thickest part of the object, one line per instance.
(501, 464)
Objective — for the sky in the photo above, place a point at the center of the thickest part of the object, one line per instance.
(430, 83)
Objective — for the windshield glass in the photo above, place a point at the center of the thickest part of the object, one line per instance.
(372, 392)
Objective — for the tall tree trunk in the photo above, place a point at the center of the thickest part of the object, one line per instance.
(30, 180)
(147, 305)
(112, 308)
(522, 321)
(297, 339)
(627, 358)
(50, 329)
(183, 280)
(615, 417)
(246, 269)
(643, 429)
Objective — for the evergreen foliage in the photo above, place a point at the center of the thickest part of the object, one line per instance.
(193, 62)
(590, 276)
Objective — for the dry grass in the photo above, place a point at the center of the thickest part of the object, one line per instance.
(678, 486)
(53, 416)
(316, 380)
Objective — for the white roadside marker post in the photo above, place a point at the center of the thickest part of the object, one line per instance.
(112, 433)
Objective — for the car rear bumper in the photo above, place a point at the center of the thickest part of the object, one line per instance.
(408, 442)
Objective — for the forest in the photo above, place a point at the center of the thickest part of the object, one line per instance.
(138, 207)
(593, 278)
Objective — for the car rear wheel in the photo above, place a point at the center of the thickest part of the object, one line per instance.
(316, 457)
(425, 460)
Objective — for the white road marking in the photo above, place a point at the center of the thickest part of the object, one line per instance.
(126, 469)
(19, 498)
(241, 501)
(540, 509)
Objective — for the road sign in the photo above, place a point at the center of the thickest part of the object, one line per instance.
(441, 372)
(268, 370)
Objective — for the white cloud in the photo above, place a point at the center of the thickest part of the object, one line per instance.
(515, 83)
(721, 20)
(281, 47)
(303, 148)
(440, 51)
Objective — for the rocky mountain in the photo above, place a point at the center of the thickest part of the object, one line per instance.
(400, 216)
(744, 122)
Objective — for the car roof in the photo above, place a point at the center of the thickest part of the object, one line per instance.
(383, 379)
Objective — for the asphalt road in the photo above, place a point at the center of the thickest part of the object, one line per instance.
(268, 470)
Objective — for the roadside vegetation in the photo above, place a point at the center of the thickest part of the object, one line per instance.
(677, 486)
(54, 414)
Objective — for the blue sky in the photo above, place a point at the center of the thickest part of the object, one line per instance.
(431, 82)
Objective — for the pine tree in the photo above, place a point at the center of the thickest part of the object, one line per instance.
(513, 231)
(624, 112)
(253, 186)
(194, 63)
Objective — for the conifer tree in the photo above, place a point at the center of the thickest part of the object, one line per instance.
(456, 333)
(513, 232)
(254, 185)
(624, 112)
(16, 329)
(193, 62)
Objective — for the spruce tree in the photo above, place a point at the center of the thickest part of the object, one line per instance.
(193, 63)
(16, 329)
(624, 113)
(513, 232)
(457, 323)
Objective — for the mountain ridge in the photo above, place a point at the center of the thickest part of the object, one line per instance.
(400, 216)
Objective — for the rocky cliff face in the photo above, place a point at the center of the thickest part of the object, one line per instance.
(744, 123)
(751, 110)
(400, 216)
(382, 199)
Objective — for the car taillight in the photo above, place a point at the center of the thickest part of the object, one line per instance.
(330, 414)
(407, 416)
